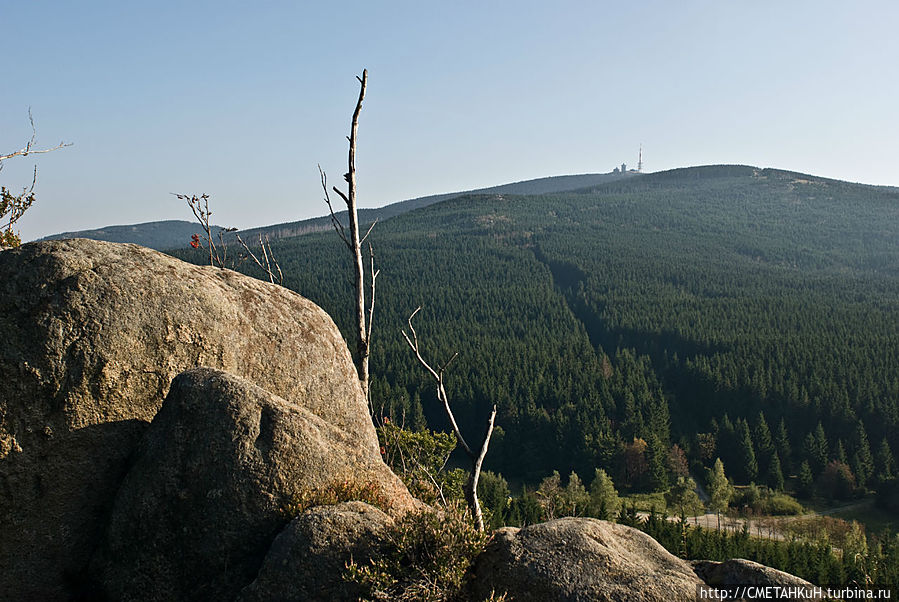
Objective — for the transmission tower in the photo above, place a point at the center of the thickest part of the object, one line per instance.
(640, 161)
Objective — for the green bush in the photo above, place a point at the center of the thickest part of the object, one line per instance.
(425, 556)
(781, 504)
(419, 458)
(760, 500)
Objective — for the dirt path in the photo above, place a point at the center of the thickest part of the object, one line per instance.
(769, 527)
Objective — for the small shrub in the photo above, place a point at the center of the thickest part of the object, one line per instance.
(425, 556)
(336, 493)
(419, 458)
(762, 501)
(781, 504)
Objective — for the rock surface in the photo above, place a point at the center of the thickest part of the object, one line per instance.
(93, 334)
(580, 559)
(738, 571)
(207, 492)
(307, 559)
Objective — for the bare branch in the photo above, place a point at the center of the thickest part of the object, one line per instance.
(414, 346)
(267, 268)
(448, 362)
(335, 221)
(487, 435)
(370, 228)
(342, 195)
(371, 302)
(223, 244)
(24, 152)
(438, 376)
(477, 459)
(28, 149)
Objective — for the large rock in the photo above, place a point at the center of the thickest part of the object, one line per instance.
(206, 495)
(580, 559)
(307, 560)
(740, 572)
(92, 335)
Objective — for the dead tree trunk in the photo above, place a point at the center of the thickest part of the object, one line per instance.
(477, 458)
(354, 244)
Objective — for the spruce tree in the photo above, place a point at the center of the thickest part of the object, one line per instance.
(885, 462)
(726, 443)
(493, 491)
(764, 443)
(862, 462)
(784, 450)
(808, 450)
(748, 463)
(774, 478)
(656, 457)
(806, 480)
(816, 449)
(839, 453)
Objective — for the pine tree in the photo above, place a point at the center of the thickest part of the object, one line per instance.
(575, 498)
(782, 444)
(748, 463)
(656, 457)
(885, 464)
(862, 462)
(726, 440)
(775, 478)
(815, 449)
(806, 479)
(631, 419)
(764, 444)
(493, 491)
(604, 502)
(416, 414)
(840, 453)
(720, 489)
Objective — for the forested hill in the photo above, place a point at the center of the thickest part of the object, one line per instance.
(751, 314)
(162, 235)
(173, 234)
(367, 216)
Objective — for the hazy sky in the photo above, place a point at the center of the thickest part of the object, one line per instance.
(241, 100)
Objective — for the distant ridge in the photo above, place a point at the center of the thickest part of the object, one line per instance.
(172, 234)
(548, 185)
(167, 234)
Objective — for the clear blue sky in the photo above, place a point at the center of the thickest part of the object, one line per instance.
(241, 100)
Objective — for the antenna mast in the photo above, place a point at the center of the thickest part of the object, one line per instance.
(640, 162)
